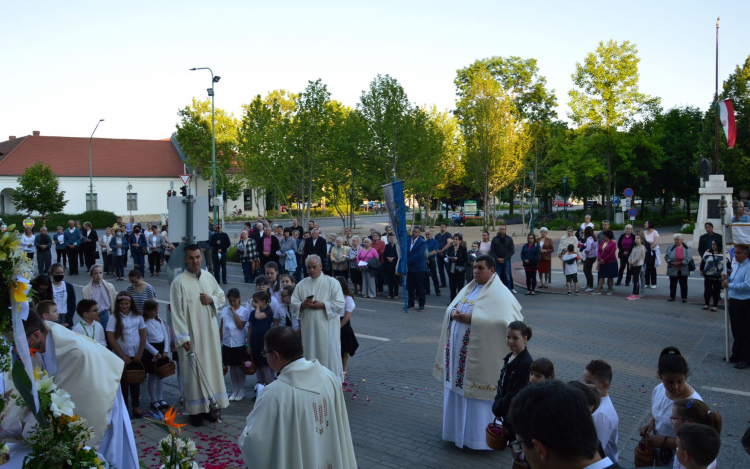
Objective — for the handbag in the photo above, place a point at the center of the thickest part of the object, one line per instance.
(96, 254)
(373, 263)
(691, 265)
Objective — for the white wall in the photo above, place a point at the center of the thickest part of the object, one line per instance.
(111, 194)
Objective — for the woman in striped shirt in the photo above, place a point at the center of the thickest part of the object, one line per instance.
(139, 290)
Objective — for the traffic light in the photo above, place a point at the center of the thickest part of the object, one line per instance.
(183, 191)
(169, 193)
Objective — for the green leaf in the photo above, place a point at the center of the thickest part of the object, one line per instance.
(23, 386)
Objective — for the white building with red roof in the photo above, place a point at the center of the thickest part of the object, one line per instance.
(130, 177)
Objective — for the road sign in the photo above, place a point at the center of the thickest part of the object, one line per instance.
(633, 212)
(628, 192)
(185, 178)
(615, 199)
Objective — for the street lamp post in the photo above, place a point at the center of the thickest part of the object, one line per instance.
(130, 209)
(91, 177)
(565, 198)
(531, 178)
(214, 79)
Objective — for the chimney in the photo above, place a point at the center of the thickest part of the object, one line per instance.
(36, 133)
(12, 137)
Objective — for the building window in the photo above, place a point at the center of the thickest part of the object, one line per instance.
(132, 201)
(92, 204)
(248, 200)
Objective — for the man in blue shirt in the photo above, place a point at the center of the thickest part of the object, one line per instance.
(741, 216)
(72, 239)
(444, 240)
(738, 288)
(432, 249)
(415, 266)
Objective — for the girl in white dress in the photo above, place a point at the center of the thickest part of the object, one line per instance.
(157, 352)
(673, 372)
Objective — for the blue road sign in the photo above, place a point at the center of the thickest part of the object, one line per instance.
(628, 192)
(633, 212)
(615, 199)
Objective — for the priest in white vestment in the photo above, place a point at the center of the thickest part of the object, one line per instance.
(299, 420)
(91, 375)
(470, 354)
(194, 298)
(317, 300)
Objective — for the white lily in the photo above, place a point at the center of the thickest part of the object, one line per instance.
(46, 384)
(61, 403)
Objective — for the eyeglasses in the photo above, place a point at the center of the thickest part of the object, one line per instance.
(516, 445)
(263, 353)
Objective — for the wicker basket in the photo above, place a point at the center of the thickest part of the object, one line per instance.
(496, 436)
(644, 454)
(134, 376)
(248, 370)
(520, 464)
(164, 368)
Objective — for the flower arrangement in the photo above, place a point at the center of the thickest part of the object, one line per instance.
(60, 437)
(176, 452)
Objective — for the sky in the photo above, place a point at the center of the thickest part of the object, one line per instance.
(65, 65)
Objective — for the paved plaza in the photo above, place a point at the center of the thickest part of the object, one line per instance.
(395, 405)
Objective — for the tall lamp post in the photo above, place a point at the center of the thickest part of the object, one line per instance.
(531, 178)
(565, 198)
(91, 177)
(214, 79)
(130, 207)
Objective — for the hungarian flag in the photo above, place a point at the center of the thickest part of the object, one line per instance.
(726, 116)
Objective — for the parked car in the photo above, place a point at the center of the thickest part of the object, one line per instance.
(592, 203)
(560, 203)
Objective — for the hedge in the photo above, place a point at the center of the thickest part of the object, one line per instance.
(99, 219)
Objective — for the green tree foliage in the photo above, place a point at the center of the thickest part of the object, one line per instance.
(387, 113)
(735, 162)
(39, 191)
(608, 100)
(194, 135)
(495, 137)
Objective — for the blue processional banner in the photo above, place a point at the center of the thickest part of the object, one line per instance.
(394, 202)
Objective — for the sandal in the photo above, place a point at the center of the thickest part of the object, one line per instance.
(533, 293)
(705, 307)
(714, 309)
(528, 293)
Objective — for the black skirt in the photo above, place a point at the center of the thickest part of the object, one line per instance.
(233, 356)
(349, 343)
(148, 359)
(356, 276)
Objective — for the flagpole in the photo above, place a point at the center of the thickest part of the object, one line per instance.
(716, 104)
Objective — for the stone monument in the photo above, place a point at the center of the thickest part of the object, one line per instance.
(708, 206)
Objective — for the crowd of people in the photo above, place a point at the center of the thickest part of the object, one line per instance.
(295, 331)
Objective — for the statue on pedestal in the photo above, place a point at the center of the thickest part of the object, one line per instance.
(705, 167)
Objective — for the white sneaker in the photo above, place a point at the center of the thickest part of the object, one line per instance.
(239, 396)
(514, 291)
(588, 289)
(652, 287)
(233, 396)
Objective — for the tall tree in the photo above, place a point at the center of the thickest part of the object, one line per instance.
(495, 137)
(387, 112)
(608, 98)
(39, 191)
(262, 145)
(194, 135)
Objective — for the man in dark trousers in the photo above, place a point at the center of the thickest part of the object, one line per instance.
(704, 242)
(554, 429)
(43, 243)
(316, 245)
(72, 239)
(416, 266)
(431, 272)
(738, 287)
(443, 239)
(502, 249)
(220, 244)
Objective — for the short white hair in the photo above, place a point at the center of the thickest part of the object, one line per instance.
(628, 226)
(544, 228)
(313, 257)
(367, 240)
(678, 235)
(359, 240)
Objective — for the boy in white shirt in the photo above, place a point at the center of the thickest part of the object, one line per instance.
(570, 267)
(599, 373)
(88, 310)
